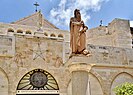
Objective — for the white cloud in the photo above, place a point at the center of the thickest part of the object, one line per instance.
(131, 23)
(61, 14)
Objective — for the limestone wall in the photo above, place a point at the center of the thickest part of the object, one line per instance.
(116, 34)
(110, 55)
(99, 36)
(109, 77)
(21, 53)
(25, 48)
(111, 66)
(103, 76)
(3, 83)
(111, 58)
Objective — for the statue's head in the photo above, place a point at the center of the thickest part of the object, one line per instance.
(77, 14)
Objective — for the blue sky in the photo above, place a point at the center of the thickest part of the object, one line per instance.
(59, 12)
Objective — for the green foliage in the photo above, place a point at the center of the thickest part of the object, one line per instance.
(124, 89)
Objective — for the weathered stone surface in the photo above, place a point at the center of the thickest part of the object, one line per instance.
(110, 62)
(79, 82)
(116, 34)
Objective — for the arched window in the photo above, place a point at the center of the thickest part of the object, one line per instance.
(60, 36)
(19, 31)
(38, 79)
(45, 34)
(52, 35)
(10, 30)
(28, 32)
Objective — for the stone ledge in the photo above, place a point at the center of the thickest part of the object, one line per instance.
(113, 66)
(80, 67)
(82, 62)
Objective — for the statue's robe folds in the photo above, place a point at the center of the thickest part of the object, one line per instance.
(77, 38)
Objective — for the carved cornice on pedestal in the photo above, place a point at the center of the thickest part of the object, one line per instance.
(80, 67)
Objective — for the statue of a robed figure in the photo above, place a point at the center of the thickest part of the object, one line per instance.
(77, 34)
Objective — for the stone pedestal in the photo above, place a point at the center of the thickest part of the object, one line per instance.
(80, 71)
(79, 82)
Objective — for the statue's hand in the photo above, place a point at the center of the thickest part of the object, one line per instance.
(85, 29)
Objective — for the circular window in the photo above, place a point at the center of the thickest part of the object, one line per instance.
(38, 79)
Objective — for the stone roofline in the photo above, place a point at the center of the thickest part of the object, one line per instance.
(50, 23)
(118, 19)
(112, 22)
(24, 18)
(30, 16)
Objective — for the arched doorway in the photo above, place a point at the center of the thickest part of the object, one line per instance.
(94, 86)
(38, 82)
(120, 79)
(3, 83)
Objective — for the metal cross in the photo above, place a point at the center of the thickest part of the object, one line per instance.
(36, 4)
(101, 22)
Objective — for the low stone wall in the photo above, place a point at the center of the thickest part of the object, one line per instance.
(110, 55)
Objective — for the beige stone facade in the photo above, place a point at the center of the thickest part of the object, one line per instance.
(33, 45)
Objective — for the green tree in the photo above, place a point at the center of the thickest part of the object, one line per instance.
(124, 89)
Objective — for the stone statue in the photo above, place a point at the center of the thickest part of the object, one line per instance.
(77, 34)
